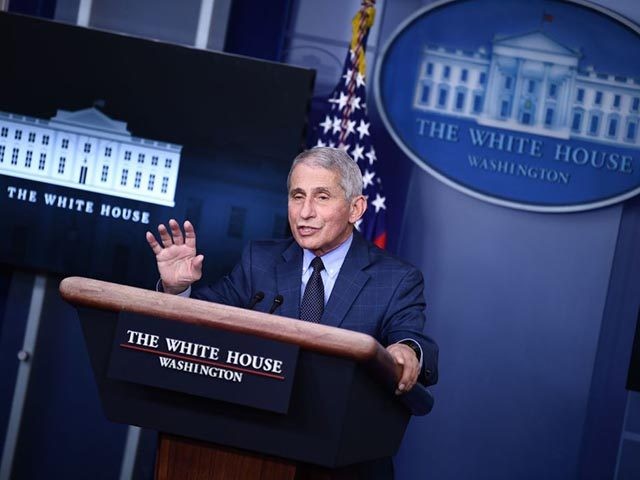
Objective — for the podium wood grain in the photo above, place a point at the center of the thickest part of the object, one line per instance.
(186, 459)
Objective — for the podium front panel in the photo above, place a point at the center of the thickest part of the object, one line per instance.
(338, 414)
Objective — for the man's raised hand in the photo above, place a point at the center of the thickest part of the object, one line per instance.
(178, 264)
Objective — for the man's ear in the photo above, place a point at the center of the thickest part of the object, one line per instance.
(357, 209)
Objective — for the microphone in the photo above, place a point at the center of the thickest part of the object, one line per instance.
(276, 303)
(257, 298)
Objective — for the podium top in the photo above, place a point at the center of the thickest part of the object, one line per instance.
(362, 348)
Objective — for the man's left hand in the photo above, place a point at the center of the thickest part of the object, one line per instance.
(406, 357)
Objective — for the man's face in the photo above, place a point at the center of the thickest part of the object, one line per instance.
(320, 216)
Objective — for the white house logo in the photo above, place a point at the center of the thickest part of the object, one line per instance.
(89, 151)
(530, 83)
(529, 109)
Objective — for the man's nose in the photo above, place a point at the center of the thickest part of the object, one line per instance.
(308, 210)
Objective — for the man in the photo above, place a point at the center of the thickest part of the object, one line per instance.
(326, 273)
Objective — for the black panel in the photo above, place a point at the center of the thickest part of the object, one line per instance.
(239, 122)
(633, 379)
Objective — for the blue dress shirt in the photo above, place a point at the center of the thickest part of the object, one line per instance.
(332, 263)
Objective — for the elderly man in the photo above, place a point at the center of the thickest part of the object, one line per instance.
(327, 273)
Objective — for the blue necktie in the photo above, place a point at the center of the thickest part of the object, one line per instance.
(312, 304)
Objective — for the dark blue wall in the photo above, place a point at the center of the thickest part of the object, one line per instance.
(516, 302)
(267, 22)
(37, 8)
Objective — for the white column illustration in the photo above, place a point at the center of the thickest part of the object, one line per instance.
(563, 100)
(493, 83)
(565, 118)
(542, 97)
(517, 92)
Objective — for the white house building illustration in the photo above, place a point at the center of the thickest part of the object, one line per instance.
(87, 150)
(533, 84)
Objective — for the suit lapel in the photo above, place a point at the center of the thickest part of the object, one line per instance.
(350, 281)
(288, 275)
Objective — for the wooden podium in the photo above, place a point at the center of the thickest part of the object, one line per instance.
(342, 410)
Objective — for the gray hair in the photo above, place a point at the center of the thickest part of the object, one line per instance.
(334, 159)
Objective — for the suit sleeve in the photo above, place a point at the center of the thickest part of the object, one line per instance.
(233, 289)
(405, 319)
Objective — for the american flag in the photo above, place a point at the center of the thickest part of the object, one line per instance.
(346, 125)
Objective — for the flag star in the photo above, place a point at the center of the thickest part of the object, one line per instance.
(342, 101)
(347, 76)
(367, 179)
(363, 129)
(344, 147)
(332, 144)
(336, 125)
(357, 152)
(326, 125)
(379, 203)
(355, 103)
(351, 127)
(320, 143)
(360, 80)
(371, 156)
(357, 224)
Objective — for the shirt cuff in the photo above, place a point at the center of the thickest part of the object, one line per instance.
(186, 293)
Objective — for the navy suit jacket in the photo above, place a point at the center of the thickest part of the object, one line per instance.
(375, 293)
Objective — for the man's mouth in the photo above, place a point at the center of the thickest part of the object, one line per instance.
(306, 230)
